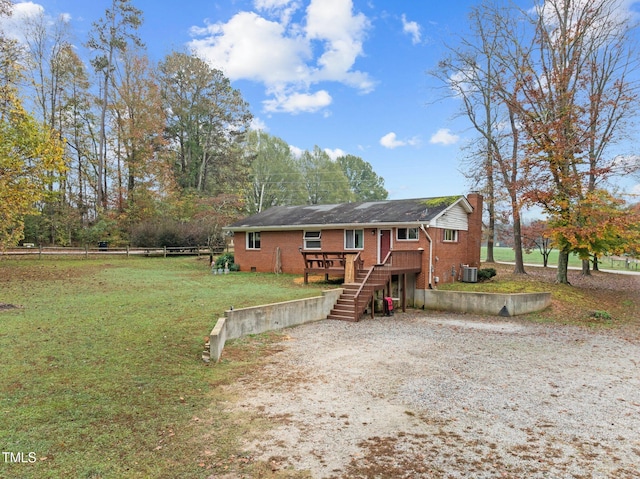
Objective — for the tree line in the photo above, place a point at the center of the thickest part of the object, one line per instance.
(551, 91)
(122, 150)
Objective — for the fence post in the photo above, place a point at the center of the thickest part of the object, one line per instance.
(39, 251)
(165, 251)
(86, 251)
(127, 251)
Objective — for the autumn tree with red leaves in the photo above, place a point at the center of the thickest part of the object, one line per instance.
(561, 75)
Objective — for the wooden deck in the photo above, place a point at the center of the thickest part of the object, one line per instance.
(324, 262)
(360, 291)
(333, 263)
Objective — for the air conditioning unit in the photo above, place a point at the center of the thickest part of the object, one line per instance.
(469, 275)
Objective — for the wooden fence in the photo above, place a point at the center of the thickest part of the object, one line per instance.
(41, 251)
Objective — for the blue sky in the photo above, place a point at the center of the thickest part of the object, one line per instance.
(347, 75)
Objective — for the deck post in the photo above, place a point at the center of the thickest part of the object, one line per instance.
(404, 293)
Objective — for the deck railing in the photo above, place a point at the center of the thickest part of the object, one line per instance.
(379, 275)
(408, 261)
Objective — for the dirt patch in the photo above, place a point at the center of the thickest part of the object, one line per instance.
(8, 307)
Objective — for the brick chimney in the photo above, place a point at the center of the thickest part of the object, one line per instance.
(475, 229)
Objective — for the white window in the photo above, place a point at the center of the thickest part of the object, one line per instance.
(253, 240)
(407, 234)
(353, 239)
(312, 240)
(451, 236)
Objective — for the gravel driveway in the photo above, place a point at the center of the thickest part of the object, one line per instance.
(436, 395)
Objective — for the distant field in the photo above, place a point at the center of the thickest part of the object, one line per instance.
(508, 255)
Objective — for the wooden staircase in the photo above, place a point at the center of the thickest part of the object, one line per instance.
(358, 295)
(345, 307)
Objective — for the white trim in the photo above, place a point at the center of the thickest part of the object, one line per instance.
(456, 235)
(313, 238)
(354, 248)
(417, 228)
(252, 248)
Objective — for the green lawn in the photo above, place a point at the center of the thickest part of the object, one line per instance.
(535, 257)
(101, 371)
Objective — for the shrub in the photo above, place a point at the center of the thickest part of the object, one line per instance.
(224, 259)
(486, 274)
(168, 232)
(601, 315)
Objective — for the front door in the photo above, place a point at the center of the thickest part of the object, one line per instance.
(384, 244)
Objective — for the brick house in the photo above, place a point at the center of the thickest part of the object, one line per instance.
(401, 247)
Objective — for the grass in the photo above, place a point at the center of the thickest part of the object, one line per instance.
(101, 371)
(101, 365)
(535, 257)
(603, 299)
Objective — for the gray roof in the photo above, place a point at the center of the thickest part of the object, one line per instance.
(369, 213)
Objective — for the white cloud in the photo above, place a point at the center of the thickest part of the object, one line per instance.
(335, 154)
(413, 29)
(298, 102)
(635, 190)
(284, 9)
(444, 137)
(295, 151)
(258, 125)
(289, 57)
(13, 26)
(333, 23)
(251, 47)
(626, 164)
(391, 141)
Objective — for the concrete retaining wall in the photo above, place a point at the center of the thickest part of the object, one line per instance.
(269, 317)
(485, 303)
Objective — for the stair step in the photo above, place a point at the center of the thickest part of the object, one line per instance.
(344, 303)
(341, 318)
(343, 309)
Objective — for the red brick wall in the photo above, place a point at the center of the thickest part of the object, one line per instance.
(447, 257)
(264, 259)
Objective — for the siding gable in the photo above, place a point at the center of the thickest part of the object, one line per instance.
(455, 218)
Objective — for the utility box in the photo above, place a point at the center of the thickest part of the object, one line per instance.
(469, 275)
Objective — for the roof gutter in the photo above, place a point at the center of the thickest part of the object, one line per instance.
(424, 230)
(324, 226)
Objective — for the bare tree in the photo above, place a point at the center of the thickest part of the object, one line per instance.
(475, 71)
(110, 35)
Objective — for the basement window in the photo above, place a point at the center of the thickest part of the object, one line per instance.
(312, 240)
(253, 240)
(407, 234)
(353, 239)
(450, 236)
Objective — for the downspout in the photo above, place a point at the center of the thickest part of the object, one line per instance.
(424, 230)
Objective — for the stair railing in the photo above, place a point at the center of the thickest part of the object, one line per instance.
(379, 273)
